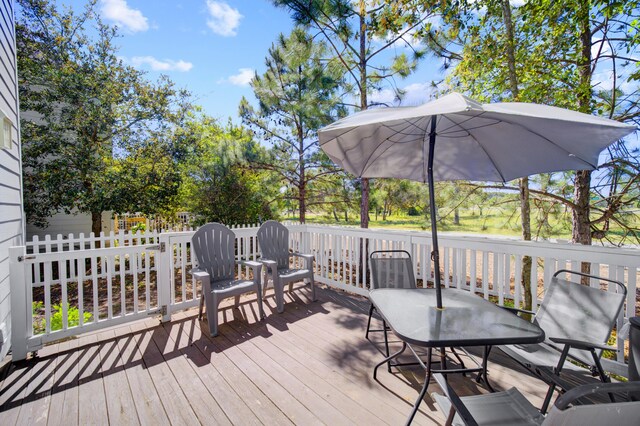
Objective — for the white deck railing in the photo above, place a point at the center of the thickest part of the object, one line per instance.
(150, 273)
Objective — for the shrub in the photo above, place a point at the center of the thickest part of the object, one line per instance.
(73, 317)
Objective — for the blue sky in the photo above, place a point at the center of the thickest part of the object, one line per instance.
(213, 47)
(209, 47)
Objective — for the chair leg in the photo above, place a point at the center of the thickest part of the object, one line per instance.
(313, 288)
(265, 284)
(201, 307)
(386, 344)
(371, 309)
(260, 309)
(237, 302)
(290, 287)
(279, 291)
(212, 316)
(552, 386)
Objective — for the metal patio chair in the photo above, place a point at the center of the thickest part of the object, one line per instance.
(575, 407)
(273, 242)
(512, 408)
(393, 269)
(214, 248)
(389, 269)
(577, 321)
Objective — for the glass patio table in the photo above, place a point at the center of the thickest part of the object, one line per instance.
(465, 320)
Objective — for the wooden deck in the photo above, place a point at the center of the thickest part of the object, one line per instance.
(309, 365)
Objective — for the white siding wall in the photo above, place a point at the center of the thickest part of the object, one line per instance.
(65, 224)
(11, 212)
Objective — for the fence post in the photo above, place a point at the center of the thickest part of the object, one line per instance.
(19, 308)
(306, 239)
(163, 271)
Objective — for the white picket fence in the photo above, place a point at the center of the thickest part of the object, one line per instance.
(149, 273)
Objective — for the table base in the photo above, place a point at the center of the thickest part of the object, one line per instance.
(481, 370)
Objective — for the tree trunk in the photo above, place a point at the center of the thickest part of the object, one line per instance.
(302, 204)
(525, 214)
(456, 216)
(581, 230)
(335, 215)
(302, 185)
(364, 202)
(525, 206)
(96, 225)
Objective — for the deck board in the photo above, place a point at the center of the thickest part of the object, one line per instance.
(309, 365)
(92, 404)
(120, 405)
(204, 405)
(64, 399)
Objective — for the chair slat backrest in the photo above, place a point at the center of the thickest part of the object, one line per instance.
(273, 242)
(575, 311)
(392, 269)
(214, 247)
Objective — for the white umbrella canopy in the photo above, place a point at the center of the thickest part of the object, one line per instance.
(457, 138)
(484, 142)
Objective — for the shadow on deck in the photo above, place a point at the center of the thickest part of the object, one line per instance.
(309, 365)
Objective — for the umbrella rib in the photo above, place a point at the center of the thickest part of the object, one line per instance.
(495, 166)
(442, 132)
(467, 130)
(339, 136)
(375, 151)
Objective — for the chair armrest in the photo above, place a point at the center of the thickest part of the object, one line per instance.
(255, 266)
(200, 274)
(307, 257)
(456, 402)
(517, 311)
(270, 265)
(578, 392)
(580, 344)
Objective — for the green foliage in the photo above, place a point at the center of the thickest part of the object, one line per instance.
(297, 95)
(94, 130)
(362, 35)
(218, 184)
(139, 227)
(572, 54)
(413, 211)
(73, 317)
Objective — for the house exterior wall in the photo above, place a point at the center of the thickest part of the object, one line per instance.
(65, 224)
(11, 207)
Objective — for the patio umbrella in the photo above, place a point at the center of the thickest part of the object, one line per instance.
(457, 138)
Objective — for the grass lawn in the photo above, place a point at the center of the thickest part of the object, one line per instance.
(493, 222)
(487, 224)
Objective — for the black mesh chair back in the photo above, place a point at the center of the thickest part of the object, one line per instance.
(389, 269)
(392, 269)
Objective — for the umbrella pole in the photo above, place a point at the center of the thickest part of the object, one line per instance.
(435, 253)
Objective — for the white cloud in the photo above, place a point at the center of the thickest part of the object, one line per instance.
(122, 15)
(415, 94)
(243, 78)
(384, 96)
(158, 65)
(223, 19)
